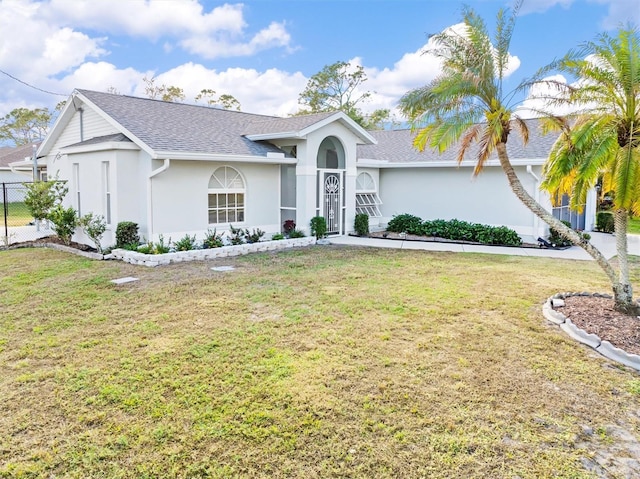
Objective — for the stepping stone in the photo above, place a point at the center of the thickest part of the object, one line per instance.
(128, 279)
(223, 268)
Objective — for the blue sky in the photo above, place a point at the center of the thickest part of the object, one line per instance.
(262, 51)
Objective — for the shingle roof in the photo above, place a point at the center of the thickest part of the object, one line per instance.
(165, 126)
(396, 146)
(19, 153)
(274, 125)
(116, 137)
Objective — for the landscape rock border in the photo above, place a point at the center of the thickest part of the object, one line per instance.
(605, 348)
(151, 260)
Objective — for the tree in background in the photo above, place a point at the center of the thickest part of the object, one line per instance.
(466, 104)
(162, 92)
(23, 126)
(228, 102)
(336, 87)
(602, 138)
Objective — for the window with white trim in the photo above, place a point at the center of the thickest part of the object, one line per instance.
(226, 196)
(367, 199)
(76, 186)
(106, 188)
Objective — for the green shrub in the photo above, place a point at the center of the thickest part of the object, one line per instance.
(405, 223)
(160, 247)
(127, 234)
(237, 235)
(277, 237)
(318, 226)
(253, 236)
(605, 222)
(64, 222)
(586, 236)
(94, 227)
(361, 224)
(296, 234)
(186, 243)
(212, 239)
(43, 196)
(558, 240)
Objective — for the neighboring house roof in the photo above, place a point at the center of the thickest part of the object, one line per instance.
(396, 146)
(12, 155)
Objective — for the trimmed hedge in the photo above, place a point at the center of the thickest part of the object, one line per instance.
(456, 230)
(605, 222)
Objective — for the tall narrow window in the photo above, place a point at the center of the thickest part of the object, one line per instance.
(367, 199)
(76, 186)
(226, 196)
(106, 187)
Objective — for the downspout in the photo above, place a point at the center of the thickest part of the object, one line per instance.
(536, 196)
(157, 171)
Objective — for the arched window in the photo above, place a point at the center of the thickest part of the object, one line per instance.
(367, 199)
(226, 196)
(331, 154)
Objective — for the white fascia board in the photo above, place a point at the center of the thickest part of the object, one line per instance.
(58, 125)
(143, 146)
(26, 163)
(443, 164)
(350, 124)
(263, 160)
(275, 136)
(108, 145)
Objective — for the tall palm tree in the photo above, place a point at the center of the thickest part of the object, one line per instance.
(602, 139)
(466, 104)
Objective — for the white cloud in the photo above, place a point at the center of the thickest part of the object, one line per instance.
(541, 6)
(537, 100)
(620, 12)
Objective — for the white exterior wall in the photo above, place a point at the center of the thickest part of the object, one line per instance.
(180, 198)
(448, 193)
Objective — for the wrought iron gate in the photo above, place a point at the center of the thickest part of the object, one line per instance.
(332, 201)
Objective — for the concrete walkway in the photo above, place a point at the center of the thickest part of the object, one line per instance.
(606, 243)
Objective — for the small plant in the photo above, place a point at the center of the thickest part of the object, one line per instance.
(288, 227)
(296, 234)
(318, 226)
(361, 224)
(94, 227)
(186, 243)
(212, 240)
(556, 239)
(277, 237)
(64, 222)
(254, 236)
(159, 247)
(237, 235)
(605, 222)
(127, 234)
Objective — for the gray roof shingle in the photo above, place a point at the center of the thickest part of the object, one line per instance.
(396, 146)
(19, 153)
(166, 126)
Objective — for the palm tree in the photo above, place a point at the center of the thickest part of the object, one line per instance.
(466, 104)
(602, 139)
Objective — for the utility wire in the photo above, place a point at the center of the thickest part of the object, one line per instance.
(31, 86)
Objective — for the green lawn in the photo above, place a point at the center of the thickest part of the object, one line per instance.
(634, 226)
(323, 362)
(17, 214)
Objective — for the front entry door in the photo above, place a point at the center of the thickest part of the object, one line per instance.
(332, 201)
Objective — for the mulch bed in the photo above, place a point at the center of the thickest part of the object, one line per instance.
(52, 239)
(597, 316)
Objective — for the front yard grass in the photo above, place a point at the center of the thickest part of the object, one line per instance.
(322, 362)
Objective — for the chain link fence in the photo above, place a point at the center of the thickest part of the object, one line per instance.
(18, 224)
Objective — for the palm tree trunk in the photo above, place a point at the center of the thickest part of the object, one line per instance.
(622, 295)
(624, 292)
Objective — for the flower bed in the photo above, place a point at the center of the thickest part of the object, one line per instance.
(135, 257)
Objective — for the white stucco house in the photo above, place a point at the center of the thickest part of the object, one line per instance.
(179, 169)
